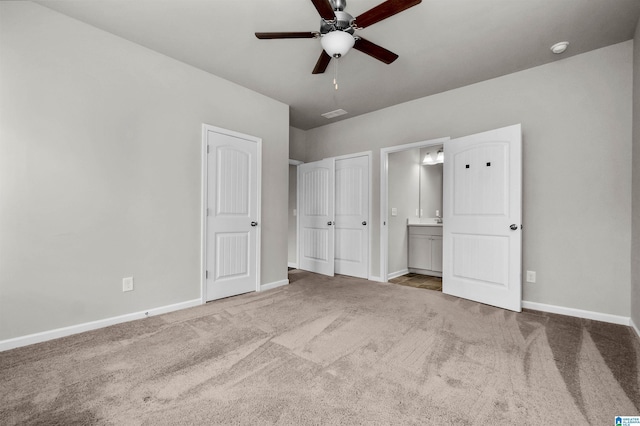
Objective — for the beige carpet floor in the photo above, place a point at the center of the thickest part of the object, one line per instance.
(325, 351)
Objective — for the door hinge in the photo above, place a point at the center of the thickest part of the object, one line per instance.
(206, 275)
(207, 149)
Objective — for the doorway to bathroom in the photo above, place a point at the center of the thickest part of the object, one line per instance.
(481, 214)
(411, 193)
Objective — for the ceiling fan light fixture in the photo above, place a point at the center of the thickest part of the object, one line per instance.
(337, 43)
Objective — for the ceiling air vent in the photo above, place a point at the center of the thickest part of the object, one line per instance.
(333, 114)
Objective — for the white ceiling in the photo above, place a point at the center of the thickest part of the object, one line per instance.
(442, 44)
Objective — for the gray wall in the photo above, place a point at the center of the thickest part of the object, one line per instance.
(404, 195)
(297, 145)
(635, 250)
(576, 120)
(100, 172)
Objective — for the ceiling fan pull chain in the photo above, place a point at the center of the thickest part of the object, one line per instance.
(335, 74)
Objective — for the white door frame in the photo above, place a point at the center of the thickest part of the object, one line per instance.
(384, 196)
(295, 163)
(203, 202)
(369, 155)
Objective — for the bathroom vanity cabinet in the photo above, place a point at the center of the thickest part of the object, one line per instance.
(425, 249)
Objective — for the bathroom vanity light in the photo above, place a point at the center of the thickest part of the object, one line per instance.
(429, 160)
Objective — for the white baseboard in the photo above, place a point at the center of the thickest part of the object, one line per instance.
(44, 336)
(377, 279)
(395, 274)
(292, 265)
(634, 326)
(273, 285)
(579, 313)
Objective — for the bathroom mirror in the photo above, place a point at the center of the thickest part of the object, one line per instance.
(431, 182)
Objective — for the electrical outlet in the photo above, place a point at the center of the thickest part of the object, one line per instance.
(127, 284)
(531, 276)
(394, 211)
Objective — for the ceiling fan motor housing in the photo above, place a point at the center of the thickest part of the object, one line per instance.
(342, 23)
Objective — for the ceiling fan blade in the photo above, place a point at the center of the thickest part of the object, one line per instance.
(324, 8)
(322, 64)
(375, 51)
(383, 11)
(268, 36)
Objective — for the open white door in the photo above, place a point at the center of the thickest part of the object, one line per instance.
(482, 217)
(233, 208)
(352, 217)
(316, 188)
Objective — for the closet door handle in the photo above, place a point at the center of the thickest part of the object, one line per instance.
(329, 223)
(254, 223)
(364, 222)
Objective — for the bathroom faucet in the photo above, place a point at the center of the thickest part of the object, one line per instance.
(438, 217)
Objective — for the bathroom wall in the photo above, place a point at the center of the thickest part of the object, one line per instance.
(430, 186)
(404, 190)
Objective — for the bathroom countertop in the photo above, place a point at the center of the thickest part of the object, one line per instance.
(425, 223)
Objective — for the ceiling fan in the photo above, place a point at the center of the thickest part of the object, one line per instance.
(337, 30)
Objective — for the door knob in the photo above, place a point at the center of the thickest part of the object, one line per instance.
(364, 222)
(254, 223)
(513, 227)
(329, 223)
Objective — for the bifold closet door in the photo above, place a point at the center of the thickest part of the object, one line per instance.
(352, 217)
(316, 201)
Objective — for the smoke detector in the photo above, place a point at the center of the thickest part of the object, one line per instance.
(559, 48)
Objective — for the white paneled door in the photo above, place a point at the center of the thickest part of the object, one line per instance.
(232, 213)
(352, 217)
(316, 186)
(482, 217)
